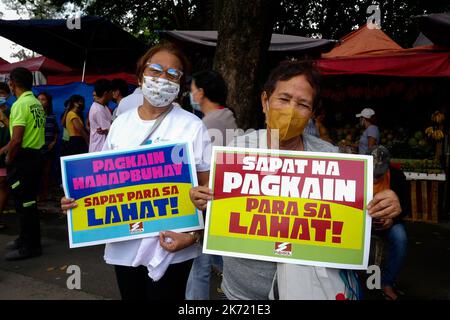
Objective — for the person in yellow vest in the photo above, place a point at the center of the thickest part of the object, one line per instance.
(24, 163)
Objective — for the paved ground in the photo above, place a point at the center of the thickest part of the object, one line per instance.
(425, 276)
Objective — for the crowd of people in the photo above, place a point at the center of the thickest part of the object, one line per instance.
(152, 113)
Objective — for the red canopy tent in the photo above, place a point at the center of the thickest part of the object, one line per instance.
(41, 67)
(371, 51)
(59, 74)
(43, 64)
(2, 61)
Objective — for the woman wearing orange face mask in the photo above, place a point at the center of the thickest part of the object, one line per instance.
(289, 99)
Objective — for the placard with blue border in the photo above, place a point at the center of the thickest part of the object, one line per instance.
(130, 193)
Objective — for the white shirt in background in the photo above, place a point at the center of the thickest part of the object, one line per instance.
(99, 117)
(130, 102)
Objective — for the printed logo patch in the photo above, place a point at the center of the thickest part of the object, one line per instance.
(136, 227)
(283, 248)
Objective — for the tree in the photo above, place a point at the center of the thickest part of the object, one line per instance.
(245, 29)
(242, 44)
(37, 9)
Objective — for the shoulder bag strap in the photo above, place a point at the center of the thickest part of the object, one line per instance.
(156, 124)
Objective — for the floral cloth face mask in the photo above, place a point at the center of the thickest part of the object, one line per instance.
(159, 92)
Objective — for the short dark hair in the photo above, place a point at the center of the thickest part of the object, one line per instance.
(213, 86)
(289, 69)
(22, 78)
(4, 87)
(121, 85)
(101, 86)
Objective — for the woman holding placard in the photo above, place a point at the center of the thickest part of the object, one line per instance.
(160, 72)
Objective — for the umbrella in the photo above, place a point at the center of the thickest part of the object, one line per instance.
(436, 27)
(98, 45)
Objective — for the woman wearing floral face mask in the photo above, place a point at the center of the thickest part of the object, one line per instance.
(289, 99)
(157, 268)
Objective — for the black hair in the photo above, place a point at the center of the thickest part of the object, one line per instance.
(69, 104)
(49, 109)
(213, 86)
(75, 98)
(121, 85)
(22, 78)
(289, 69)
(101, 86)
(4, 87)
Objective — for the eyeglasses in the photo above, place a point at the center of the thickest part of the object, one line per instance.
(156, 70)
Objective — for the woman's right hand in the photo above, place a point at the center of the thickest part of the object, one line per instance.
(200, 196)
(67, 204)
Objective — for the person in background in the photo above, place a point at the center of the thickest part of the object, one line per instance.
(316, 127)
(100, 116)
(73, 121)
(391, 230)
(131, 101)
(371, 135)
(24, 163)
(290, 97)
(208, 95)
(51, 137)
(65, 135)
(4, 139)
(157, 268)
(119, 91)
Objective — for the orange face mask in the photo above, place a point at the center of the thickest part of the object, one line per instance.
(288, 120)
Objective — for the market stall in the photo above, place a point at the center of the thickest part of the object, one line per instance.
(405, 87)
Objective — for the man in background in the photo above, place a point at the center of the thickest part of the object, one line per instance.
(119, 91)
(24, 163)
(100, 116)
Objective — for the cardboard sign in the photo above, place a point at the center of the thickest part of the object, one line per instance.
(287, 206)
(130, 194)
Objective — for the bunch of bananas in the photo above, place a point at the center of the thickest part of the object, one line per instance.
(438, 135)
(434, 134)
(437, 117)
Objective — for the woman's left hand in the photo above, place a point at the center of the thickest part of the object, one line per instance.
(175, 241)
(384, 205)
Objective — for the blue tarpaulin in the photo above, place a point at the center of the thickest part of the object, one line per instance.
(59, 95)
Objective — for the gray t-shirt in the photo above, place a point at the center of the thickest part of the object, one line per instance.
(217, 123)
(247, 279)
(371, 131)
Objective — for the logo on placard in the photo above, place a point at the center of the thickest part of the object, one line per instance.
(136, 227)
(283, 248)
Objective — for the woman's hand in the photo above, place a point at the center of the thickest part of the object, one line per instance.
(175, 241)
(384, 205)
(67, 204)
(200, 196)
